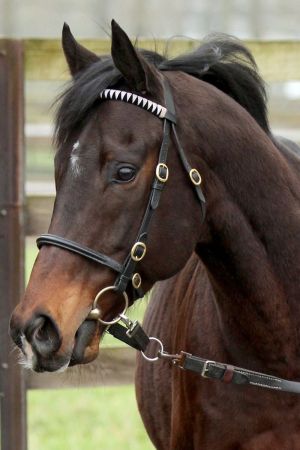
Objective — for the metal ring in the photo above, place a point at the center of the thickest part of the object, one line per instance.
(136, 280)
(95, 305)
(198, 181)
(163, 166)
(159, 351)
(135, 246)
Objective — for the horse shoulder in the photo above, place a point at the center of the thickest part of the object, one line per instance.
(178, 307)
(272, 440)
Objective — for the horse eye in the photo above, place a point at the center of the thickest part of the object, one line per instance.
(126, 173)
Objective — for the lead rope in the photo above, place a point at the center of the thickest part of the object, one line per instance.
(133, 334)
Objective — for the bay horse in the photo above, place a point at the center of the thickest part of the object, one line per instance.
(222, 247)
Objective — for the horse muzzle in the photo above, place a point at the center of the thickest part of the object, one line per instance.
(42, 347)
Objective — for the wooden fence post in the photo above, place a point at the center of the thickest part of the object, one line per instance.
(12, 385)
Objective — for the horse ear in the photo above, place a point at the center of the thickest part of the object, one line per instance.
(135, 69)
(78, 57)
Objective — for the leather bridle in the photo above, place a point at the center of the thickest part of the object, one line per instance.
(133, 333)
(127, 270)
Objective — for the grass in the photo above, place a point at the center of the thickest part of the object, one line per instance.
(87, 418)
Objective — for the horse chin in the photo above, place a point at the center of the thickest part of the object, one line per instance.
(86, 347)
(39, 364)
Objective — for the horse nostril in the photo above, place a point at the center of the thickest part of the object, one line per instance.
(42, 333)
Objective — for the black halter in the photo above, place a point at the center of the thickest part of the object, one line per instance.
(126, 270)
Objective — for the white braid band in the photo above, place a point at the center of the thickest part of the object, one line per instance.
(142, 102)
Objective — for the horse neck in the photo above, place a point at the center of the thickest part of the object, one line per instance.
(250, 241)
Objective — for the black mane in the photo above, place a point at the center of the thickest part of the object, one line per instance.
(221, 60)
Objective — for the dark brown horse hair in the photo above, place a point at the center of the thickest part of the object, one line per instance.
(221, 60)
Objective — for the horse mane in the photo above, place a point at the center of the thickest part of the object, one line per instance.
(220, 60)
(226, 63)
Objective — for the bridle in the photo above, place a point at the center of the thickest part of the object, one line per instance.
(127, 270)
(133, 333)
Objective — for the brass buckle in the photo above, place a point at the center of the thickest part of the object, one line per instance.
(136, 280)
(195, 177)
(136, 247)
(163, 177)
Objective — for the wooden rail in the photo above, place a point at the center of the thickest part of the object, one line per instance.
(12, 385)
(38, 213)
(277, 60)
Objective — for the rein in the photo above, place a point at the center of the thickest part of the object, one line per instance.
(132, 333)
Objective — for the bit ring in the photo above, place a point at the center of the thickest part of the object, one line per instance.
(95, 312)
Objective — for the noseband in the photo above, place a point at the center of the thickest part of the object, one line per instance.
(127, 270)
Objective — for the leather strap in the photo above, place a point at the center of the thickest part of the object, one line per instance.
(154, 198)
(235, 375)
(121, 333)
(188, 169)
(67, 244)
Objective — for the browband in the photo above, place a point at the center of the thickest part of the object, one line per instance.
(154, 108)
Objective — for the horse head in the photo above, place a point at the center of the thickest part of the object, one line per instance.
(109, 176)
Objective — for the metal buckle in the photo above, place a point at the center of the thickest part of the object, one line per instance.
(136, 280)
(195, 177)
(135, 247)
(162, 172)
(96, 311)
(206, 367)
